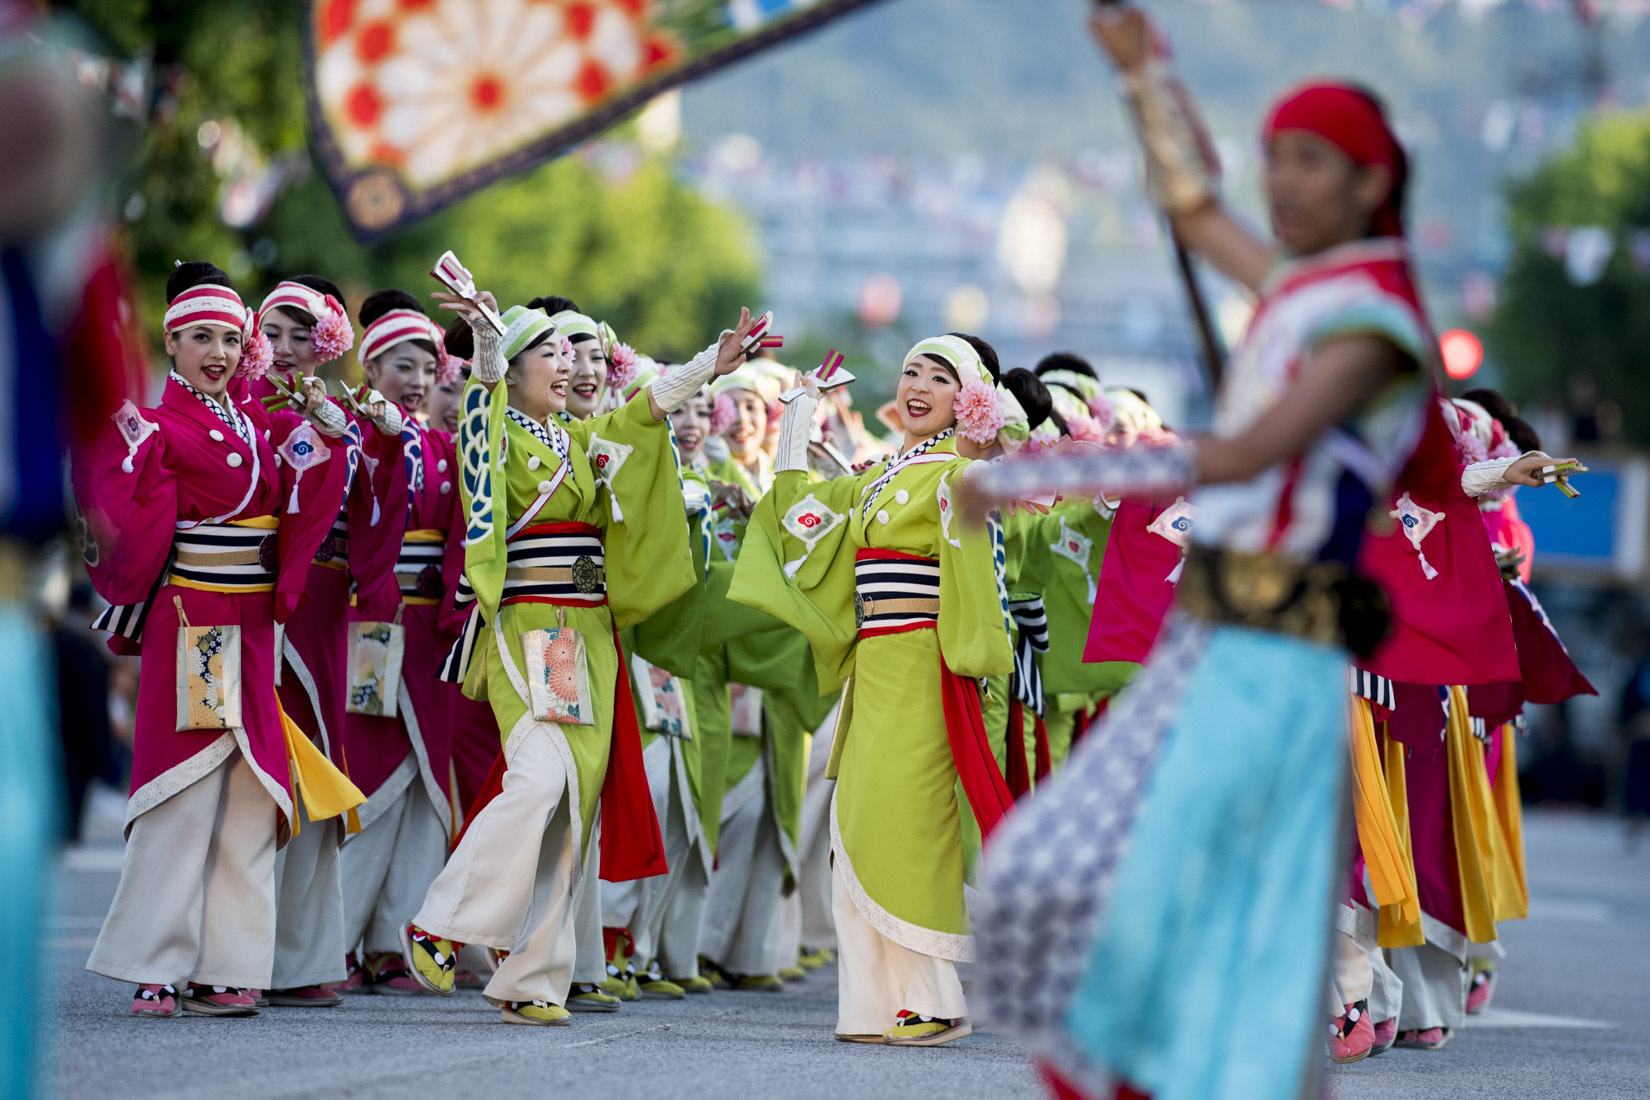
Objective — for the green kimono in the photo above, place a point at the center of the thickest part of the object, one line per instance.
(635, 502)
(669, 640)
(1062, 552)
(759, 651)
(897, 822)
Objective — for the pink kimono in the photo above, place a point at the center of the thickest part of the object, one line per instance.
(156, 508)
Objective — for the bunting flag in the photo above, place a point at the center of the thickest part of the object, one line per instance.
(416, 103)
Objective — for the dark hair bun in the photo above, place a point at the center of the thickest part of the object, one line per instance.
(1523, 435)
(193, 273)
(554, 304)
(1066, 360)
(459, 339)
(1032, 395)
(1491, 402)
(322, 285)
(988, 354)
(380, 302)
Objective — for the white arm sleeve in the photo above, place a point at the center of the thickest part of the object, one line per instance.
(681, 383)
(794, 428)
(488, 365)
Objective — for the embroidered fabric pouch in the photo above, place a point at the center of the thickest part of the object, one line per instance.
(209, 676)
(746, 705)
(663, 706)
(558, 676)
(375, 655)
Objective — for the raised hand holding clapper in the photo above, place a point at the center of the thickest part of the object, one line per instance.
(828, 376)
(457, 278)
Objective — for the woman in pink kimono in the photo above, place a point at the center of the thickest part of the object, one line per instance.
(304, 320)
(397, 726)
(203, 516)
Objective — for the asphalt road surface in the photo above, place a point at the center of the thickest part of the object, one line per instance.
(1571, 1018)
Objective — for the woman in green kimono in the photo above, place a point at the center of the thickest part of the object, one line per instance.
(574, 529)
(906, 604)
(757, 657)
(643, 944)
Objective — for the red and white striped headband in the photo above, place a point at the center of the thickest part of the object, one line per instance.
(208, 304)
(298, 296)
(396, 327)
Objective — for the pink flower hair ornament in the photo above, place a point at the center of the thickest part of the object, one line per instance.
(332, 335)
(1104, 412)
(449, 370)
(722, 414)
(979, 412)
(622, 363)
(1087, 429)
(257, 356)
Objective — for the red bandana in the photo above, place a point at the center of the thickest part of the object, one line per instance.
(1350, 121)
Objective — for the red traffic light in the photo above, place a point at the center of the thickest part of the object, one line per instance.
(1463, 353)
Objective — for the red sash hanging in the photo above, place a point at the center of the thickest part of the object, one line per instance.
(1045, 756)
(631, 846)
(982, 782)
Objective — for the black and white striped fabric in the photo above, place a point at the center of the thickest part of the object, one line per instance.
(225, 556)
(1377, 689)
(230, 415)
(126, 619)
(418, 565)
(1031, 620)
(885, 586)
(334, 548)
(555, 567)
(456, 665)
(556, 441)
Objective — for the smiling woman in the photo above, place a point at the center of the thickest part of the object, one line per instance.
(398, 352)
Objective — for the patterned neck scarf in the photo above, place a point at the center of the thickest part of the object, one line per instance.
(226, 413)
(870, 495)
(557, 442)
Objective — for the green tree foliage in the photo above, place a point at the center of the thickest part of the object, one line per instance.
(612, 230)
(1555, 339)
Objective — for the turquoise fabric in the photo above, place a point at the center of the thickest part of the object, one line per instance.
(29, 779)
(1207, 978)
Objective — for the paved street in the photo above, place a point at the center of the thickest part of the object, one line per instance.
(1570, 1020)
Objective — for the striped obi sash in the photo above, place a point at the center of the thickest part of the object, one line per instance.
(238, 556)
(418, 566)
(553, 563)
(334, 551)
(559, 563)
(895, 592)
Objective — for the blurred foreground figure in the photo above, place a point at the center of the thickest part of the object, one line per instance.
(1186, 857)
(49, 265)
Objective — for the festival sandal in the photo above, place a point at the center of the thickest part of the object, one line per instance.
(535, 1013)
(354, 980)
(1352, 1034)
(588, 997)
(306, 996)
(793, 974)
(429, 959)
(695, 984)
(880, 1040)
(759, 983)
(1482, 990)
(387, 975)
(814, 958)
(1386, 1034)
(157, 1002)
(219, 1000)
(914, 1030)
(1432, 1038)
(652, 983)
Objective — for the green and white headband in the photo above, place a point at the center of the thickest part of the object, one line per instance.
(521, 327)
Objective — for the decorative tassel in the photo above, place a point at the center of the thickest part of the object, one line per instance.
(791, 567)
(618, 516)
(377, 512)
(126, 464)
(292, 500)
(1427, 570)
(1174, 574)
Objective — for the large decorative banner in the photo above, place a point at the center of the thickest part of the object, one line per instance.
(417, 103)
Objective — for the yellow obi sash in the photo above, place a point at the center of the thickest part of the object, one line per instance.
(418, 566)
(238, 556)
